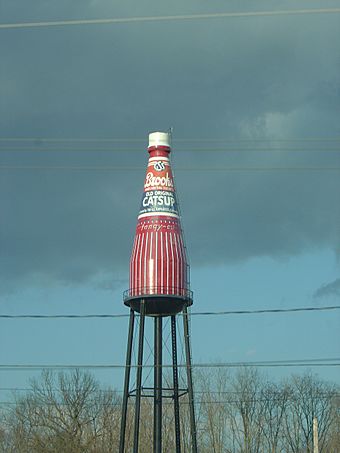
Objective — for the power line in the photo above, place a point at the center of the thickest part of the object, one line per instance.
(202, 313)
(269, 310)
(40, 140)
(89, 316)
(182, 402)
(170, 18)
(256, 140)
(275, 394)
(193, 169)
(184, 149)
(324, 362)
(165, 403)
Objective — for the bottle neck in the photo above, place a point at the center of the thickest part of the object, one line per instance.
(159, 151)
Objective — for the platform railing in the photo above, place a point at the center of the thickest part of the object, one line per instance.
(162, 291)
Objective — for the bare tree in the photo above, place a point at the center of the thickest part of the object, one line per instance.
(274, 400)
(5, 442)
(309, 398)
(245, 410)
(237, 413)
(213, 387)
(65, 413)
(333, 444)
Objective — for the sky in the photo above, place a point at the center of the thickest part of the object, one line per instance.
(242, 93)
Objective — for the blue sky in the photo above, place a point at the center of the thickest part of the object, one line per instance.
(254, 103)
(257, 284)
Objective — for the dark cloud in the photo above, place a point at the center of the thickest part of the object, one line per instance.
(246, 78)
(329, 289)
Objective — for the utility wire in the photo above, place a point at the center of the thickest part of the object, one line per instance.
(262, 311)
(123, 315)
(256, 140)
(170, 18)
(187, 169)
(184, 149)
(275, 395)
(41, 140)
(168, 403)
(324, 362)
(202, 313)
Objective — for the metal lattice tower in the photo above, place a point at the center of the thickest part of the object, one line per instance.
(158, 289)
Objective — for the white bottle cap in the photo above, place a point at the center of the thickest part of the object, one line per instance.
(159, 139)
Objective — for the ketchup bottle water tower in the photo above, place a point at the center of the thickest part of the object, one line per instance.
(159, 287)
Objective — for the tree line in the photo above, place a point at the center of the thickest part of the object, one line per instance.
(236, 412)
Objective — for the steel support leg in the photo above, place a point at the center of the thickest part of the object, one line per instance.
(189, 375)
(126, 382)
(157, 442)
(139, 375)
(175, 381)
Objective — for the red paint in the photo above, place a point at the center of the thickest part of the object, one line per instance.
(158, 264)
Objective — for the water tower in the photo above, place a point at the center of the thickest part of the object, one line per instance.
(158, 288)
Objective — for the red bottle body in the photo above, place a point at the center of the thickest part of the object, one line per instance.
(158, 267)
